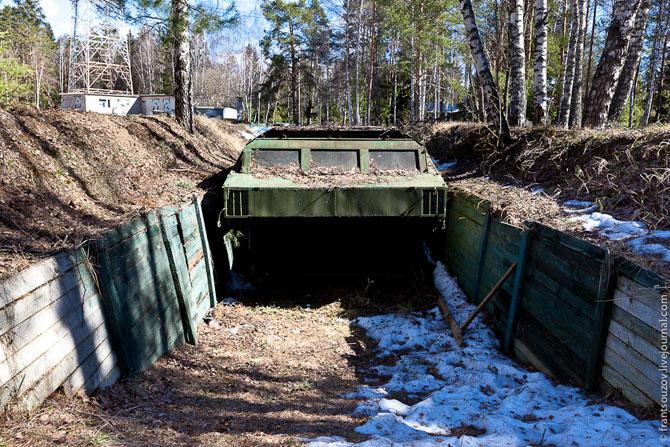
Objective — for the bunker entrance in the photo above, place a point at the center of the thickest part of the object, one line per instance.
(332, 203)
(294, 254)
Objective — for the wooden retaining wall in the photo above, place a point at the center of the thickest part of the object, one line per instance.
(632, 359)
(78, 320)
(570, 309)
(53, 332)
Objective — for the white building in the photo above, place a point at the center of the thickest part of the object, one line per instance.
(118, 104)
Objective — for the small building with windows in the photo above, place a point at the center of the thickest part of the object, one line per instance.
(118, 104)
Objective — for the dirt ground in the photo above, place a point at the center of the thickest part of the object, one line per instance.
(65, 176)
(625, 173)
(261, 375)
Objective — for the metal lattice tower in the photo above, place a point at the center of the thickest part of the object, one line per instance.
(99, 57)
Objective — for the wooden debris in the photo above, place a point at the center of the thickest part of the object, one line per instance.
(452, 322)
(488, 296)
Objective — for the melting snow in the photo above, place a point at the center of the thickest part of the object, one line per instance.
(633, 232)
(474, 396)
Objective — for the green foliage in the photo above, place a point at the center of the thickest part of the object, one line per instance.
(27, 53)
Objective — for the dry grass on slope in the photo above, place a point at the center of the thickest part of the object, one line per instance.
(65, 176)
(626, 172)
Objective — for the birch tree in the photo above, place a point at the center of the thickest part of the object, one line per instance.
(517, 104)
(658, 37)
(540, 70)
(569, 70)
(626, 80)
(611, 62)
(489, 88)
(575, 118)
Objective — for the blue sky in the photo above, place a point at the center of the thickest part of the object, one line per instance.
(59, 12)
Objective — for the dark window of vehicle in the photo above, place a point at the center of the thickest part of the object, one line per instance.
(341, 159)
(277, 157)
(389, 160)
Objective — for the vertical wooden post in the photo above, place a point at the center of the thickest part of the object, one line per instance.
(180, 278)
(209, 267)
(484, 242)
(515, 304)
(603, 309)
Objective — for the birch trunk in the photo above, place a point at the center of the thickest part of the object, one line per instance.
(652, 69)
(489, 88)
(630, 68)
(594, 16)
(575, 117)
(611, 62)
(517, 105)
(569, 71)
(358, 62)
(540, 72)
(182, 65)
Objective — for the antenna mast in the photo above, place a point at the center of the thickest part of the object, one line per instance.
(99, 57)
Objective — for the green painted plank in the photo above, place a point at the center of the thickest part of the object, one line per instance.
(579, 245)
(112, 305)
(209, 262)
(483, 244)
(577, 302)
(477, 215)
(641, 275)
(515, 305)
(179, 270)
(551, 351)
(587, 264)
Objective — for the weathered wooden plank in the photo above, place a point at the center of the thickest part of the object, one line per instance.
(141, 305)
(618, 382)
(120, 233)
(638, 309)
(650, 297)
(28, 305)
(105, 376)
(136, 250)
(66, 309)
(198, 261)
(50, 359)
(98, 363)
(180, 276)
(635, 325)
(647, 367)
(24, 282)
(16, 359)
(635, 342)
(30, 396)
(567, 275)
(650, 388)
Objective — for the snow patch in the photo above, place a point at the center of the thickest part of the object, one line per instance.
(633, 232)
(473, 396)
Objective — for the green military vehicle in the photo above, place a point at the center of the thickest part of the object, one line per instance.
(331, 189)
